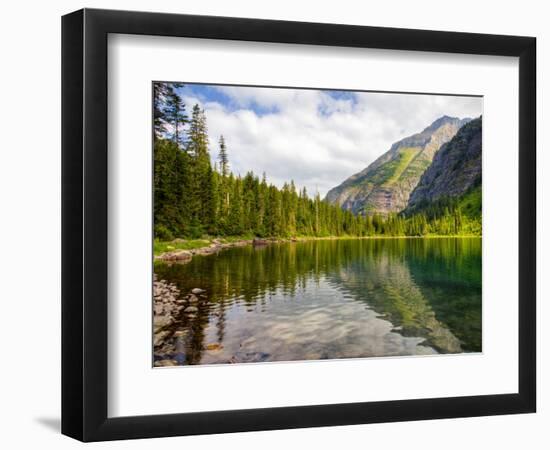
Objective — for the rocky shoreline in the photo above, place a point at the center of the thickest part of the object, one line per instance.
(177, 329)
(184, 256)
(170, 311)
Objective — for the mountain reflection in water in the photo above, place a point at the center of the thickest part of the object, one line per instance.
(329, 299)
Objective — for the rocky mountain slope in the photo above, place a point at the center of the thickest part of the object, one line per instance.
(385, 185)
(455, 170)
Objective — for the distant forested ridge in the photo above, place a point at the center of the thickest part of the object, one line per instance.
(194, 197)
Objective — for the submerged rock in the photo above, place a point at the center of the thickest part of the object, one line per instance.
(166, 363)
(197, 291)
(213, 346)
(160, 321)
(166, 310)
(160, 337)
(246, 357)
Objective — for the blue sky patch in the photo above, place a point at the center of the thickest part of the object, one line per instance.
(208, 93)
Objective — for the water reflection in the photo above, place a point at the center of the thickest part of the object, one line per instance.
(329, 299)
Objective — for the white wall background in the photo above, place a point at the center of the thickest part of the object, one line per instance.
(30, 222)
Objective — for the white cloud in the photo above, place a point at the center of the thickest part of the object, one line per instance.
(315, 139)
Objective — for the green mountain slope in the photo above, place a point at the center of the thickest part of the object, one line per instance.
(385, 185)
(454, 174)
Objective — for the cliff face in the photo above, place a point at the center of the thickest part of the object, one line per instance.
(386, 184)
(456, 168)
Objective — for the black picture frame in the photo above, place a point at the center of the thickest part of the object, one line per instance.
(84, 224)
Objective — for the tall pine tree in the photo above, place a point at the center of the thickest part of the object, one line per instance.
(223, 158)
(174, 112)
(201, 200)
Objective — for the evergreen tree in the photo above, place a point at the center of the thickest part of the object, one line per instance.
(224, 160)
(235, 217)
(174, 112)
(170, 190)
(201, 200)
(160, 92)
(163, 94)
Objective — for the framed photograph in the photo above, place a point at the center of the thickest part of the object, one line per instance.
(273, 224)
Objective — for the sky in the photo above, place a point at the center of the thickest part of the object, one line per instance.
(317, 138)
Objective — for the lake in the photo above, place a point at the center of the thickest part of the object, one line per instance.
(329, 299)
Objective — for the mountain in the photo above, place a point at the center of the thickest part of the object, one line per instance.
(385, 185)
(454, 173)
